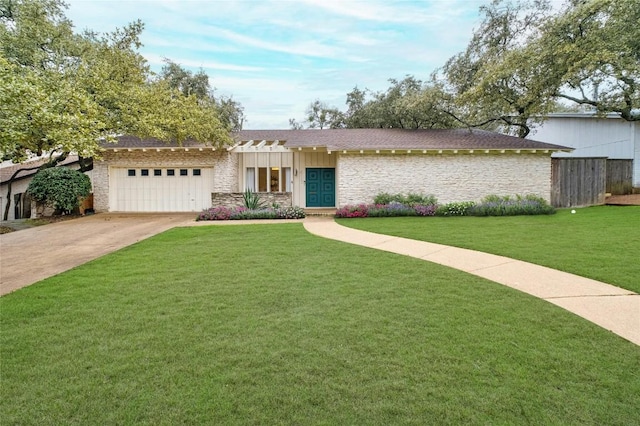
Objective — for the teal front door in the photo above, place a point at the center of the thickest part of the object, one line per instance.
(321, 187)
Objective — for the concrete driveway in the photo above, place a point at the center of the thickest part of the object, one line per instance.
(34, 254)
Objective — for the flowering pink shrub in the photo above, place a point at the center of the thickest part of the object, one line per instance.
(243, 213)
(428, 210)
(360, 210)
(220, 213)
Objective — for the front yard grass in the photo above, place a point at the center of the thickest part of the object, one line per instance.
(267, 324)
(602, 243)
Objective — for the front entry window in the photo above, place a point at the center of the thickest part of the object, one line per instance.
(273, 179)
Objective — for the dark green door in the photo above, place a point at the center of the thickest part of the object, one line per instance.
(321, 188)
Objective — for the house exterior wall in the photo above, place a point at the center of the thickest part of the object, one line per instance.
(455, 177)
(18, 186)
(303, 160)
(225, 168)
(610, 137)
(260, 159)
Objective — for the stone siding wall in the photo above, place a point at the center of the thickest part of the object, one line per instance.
(448, 177)
(234, 199)
(225, 168)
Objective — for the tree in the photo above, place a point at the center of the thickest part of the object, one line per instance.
(496, 81)
(41, 108)
(320, 116)
(85, 87)
(230, 112)
(593, 47)
(62, 92)
(60, 187)
(407, 104)
(525, 57)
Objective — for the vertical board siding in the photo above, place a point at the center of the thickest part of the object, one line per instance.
(620, 177)
(578, 182)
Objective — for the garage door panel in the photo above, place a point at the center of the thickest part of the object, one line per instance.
(160, 193)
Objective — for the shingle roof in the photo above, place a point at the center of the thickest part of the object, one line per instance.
(349, 139)
(367, 139)
(8, 171)
(128, 141)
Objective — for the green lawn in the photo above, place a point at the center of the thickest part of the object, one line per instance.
(267, 324)
(602, 243)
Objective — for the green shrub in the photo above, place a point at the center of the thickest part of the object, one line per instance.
(290, 213)
(392, 209)
(494, 205)
(419, 200)
(60, 187)
(411, 199)
(252, 200)
(255, 214)
(459, 208)
(383, 198)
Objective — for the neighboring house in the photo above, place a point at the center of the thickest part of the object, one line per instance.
(593, 136)
(319, 168)
(20, 207)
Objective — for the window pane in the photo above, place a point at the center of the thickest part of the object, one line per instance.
(286, 176)
(262, 179)
(250, 179)
(184, 172)
(275, 179)
(196, 172)
(131, 172)
(171, 172)
(144, 172)
(157, 172)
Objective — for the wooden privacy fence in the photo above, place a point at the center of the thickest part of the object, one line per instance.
(620, 177)
(578, 182)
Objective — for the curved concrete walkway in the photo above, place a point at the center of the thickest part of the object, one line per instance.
(610, 307)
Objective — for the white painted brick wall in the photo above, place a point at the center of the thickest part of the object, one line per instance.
(225, 168)
(448, 177)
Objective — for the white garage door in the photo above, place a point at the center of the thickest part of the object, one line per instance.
(149, 189)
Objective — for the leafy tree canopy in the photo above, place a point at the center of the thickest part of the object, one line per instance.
(230, 112)
(406, 104)
(61, 91)
(597, 55)
(525, 60)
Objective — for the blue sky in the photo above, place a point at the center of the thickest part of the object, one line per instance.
(276, 57)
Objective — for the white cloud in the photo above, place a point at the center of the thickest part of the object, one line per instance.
(276, 56)
(158, 60)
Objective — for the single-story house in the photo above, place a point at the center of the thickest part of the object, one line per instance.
(20, 203)
(591, 136)
(319, 168)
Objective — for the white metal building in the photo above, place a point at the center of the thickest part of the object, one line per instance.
(593, 136)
